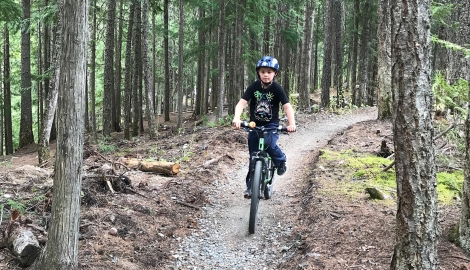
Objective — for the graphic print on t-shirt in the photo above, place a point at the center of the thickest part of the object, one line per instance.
(263, 109)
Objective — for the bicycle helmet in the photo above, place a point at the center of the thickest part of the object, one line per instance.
(268, 61)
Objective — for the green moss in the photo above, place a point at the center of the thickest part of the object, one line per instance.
(449, 185)
(362, 170)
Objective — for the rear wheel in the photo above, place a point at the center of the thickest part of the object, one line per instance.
(255, 192)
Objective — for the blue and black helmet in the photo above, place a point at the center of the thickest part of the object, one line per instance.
(268, 61)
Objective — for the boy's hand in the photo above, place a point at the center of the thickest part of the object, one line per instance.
(291, 128)
(236, 123)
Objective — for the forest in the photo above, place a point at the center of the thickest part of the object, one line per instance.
(148, 58)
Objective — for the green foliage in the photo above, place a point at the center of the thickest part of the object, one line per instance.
(441, 12)
(105, 147)
(452, 97)
(226, 121)
(450, 45)
(449, 185)
(9, 11)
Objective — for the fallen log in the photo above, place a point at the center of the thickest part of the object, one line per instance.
(24, 245)
(160, 167)
(21, 241)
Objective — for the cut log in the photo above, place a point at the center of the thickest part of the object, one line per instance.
(168, 168)
(161, 167)
(24, 245)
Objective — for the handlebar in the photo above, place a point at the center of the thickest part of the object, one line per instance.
(252, 125)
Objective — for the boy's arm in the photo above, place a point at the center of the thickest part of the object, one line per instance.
(290, 117)
(238, 112)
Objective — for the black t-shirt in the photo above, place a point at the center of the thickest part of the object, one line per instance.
(264, 103)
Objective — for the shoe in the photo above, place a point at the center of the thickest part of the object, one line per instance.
(281, 169)
(247, 193)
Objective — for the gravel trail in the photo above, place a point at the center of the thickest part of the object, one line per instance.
(223, 241)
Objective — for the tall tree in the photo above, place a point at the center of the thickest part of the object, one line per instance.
(92, 72)
(51, 100)
(384, 82)
(221, 61)
(180, 63)
(7, 93)
(417, 230)
(26, 122)
(137, 125)
(464, 223)
(354, 52)
(166, 52)
(128, 75)
(338, 48)
(61, 251)
(327, 51)
(305, 82)
(361, 93)
(147, 75)
(108, 91)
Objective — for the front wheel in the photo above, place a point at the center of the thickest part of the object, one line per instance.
(255, 192)
(268, 185)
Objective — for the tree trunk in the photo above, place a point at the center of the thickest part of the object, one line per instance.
(147, 75)
(26, 124)
(51, 103)
(61, 251)
(180, 64)
(108, 90)
(326, 75)
(7, 93)
(166, 52)
(92, 79)
(361, 94)
(305, 83)
(384, 62)
(137, 73)
(128, 77)
(417, 229)
(338, 48)
(118, 68)
(355, 42)
(221, 62)
(464, 224)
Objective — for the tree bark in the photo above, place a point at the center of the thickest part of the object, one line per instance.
(304, 90)
(166, 52)
(7, 93)
(26, 122)
(180, 63)
(326, 75)
(384, 81)
(147, 75)
(108, 91)
(464, 221)
(61, 251)
(417, 230)
(51, 103)
(128, 76)
(221, 62)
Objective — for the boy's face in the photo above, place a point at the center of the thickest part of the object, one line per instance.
(266, 74)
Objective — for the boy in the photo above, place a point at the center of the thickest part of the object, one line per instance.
(264, 96)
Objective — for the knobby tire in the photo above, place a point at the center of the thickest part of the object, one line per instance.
(255, 192)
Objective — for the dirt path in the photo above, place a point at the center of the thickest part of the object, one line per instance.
(223, 241)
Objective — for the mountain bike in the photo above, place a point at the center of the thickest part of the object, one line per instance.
(262, 171)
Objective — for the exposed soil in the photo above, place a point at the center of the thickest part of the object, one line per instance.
(153, 213)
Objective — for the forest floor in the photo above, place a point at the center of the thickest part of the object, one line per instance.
(143, 224)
